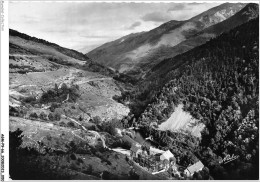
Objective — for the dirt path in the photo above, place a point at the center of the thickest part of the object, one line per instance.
(94, 79)
(97, 135)
(25, 55)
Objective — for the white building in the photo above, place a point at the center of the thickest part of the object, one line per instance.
(166, 155)
(198, 166)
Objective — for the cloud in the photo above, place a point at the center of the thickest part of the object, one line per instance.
(96, 36)
(135, 24)
(157, 17)
(89, 24)
(195, 3)
(59, 31)
(177, 7)
(29, 20)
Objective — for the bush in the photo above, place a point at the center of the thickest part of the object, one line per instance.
(106, 175)
(133, 175)
(80, 160)
(110, 127)
(73, 157)
(13, 111)
(97, 120)
(93, 127)
(33, 115)
(90, 169)
(21, 72)
(57, 116)
(59, 95)
(70, 124)
(73, 166)
(126, 144)
(43, 116)
(54, 105)
(51, 117)
(62, 124)
(80, 118)
(29, 99)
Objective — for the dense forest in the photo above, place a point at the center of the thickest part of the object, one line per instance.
(219, 87)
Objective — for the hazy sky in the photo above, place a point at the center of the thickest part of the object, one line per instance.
(84, 26)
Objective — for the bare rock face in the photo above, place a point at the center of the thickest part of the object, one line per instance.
(181, 121)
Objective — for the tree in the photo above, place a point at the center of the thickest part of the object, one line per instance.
(90, 169)
(173, 160)
(43, 116)
(133, 175)
(80, 118)
(54, 105)
(56, 88)
(105, 175)
(97, 120)
(125, 121)
(57, 116)
(73, 156)
(15, 139)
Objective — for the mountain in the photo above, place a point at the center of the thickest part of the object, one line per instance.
(14, 35)
(136, 53)
(249, 12)
(37, 67)
(213, 90)
(20, 43)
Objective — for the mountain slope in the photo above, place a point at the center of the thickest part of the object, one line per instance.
(248, 12)
(37, 67)
(137, 53)
(217, 83)
(22, 44)
(68, 52)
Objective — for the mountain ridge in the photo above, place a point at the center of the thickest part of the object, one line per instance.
(163, 66)
(134, 55)
(77, 54)
(33, 45)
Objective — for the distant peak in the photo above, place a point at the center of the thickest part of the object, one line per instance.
(218, 14)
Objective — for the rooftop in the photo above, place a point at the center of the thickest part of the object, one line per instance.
(195, 167)
(167, 155)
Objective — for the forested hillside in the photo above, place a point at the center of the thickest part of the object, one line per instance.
(218, 84)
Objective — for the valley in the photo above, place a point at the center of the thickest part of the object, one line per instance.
(167, 104)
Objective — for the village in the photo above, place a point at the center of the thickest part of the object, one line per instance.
(156, 161)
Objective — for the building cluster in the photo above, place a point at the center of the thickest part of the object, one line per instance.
(156, 161)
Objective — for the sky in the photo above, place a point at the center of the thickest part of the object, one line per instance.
(84, 26)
